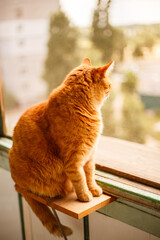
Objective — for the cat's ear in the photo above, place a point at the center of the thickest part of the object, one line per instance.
(86, 61)
(106, 69)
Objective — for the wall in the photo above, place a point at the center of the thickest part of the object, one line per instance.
(101, 226)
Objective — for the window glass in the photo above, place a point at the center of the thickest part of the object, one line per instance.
(41, 41)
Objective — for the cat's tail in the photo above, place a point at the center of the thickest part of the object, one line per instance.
(45, 215)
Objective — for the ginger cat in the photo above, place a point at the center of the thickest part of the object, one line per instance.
(54, 142)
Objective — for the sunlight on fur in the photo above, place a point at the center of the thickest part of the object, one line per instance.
(54, 142)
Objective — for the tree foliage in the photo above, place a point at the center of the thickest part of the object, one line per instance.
(145, 38)
(62, 47)
(108, 39)
(133, 117)
(109, 123)
(137, 52)
(130, 83)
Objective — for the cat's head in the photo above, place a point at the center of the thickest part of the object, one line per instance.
(94, 80)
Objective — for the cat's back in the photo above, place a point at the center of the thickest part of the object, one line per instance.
(30, 128)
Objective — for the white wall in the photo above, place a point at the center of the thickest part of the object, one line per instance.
(101, 226)
(106, 228)
(10, 226)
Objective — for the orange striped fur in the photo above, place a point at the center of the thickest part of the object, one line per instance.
(54, 142)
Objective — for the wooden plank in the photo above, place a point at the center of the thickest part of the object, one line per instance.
(72, 207)
(128, 182)
(131, 193)
(130, 160)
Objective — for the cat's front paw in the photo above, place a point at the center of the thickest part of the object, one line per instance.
(96, 191)
(85, 197)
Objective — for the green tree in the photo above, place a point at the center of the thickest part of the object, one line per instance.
(138, 51)
(62, 50)
(109, 123)
(130, 83)
(149, 39)
(145, 38)
(133, 117)
(108, 39)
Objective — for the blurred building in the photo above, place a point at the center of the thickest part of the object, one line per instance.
(24, 28)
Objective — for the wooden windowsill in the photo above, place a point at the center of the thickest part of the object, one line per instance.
(123, 169)
(129, 160)
(129, 170)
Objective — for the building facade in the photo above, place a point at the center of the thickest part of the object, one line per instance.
(24, 31)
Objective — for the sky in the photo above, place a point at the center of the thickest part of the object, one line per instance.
(122, 12)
